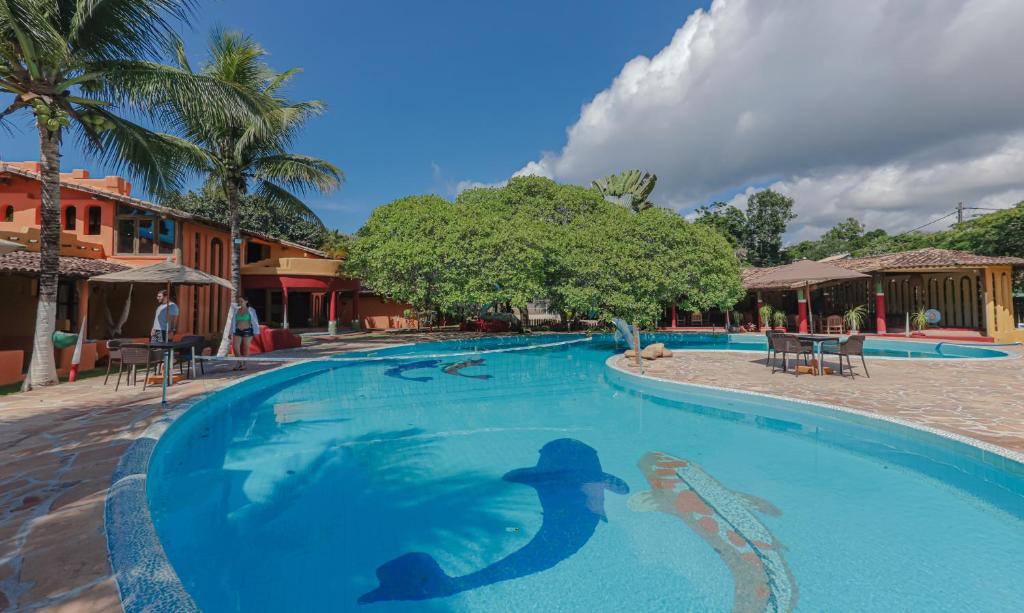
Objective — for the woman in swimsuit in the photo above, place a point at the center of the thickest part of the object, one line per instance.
(244, 326)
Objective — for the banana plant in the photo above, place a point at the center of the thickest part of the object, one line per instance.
(632, 187)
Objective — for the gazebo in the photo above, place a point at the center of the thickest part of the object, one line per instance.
(799, 276)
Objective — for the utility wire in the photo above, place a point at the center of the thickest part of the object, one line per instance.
(930, 222)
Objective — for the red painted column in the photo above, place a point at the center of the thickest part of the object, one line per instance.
(334, 305)
(880, 327)
(673, 315)
(801, 305)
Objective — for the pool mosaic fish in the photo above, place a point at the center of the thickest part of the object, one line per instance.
(570, 485)
(726, 521)
(456, 369)
(398, 372)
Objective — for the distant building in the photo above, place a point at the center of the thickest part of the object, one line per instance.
(104, 230)
(971, 294)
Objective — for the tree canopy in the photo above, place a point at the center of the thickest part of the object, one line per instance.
(257, 214)
(758, 230)
(534, 238)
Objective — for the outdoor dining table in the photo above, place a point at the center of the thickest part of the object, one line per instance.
(818, 340)
(168, 348)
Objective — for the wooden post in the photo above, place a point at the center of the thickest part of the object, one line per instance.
(880, 327)
(801, 306)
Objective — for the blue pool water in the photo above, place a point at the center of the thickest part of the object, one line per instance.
(540, 479)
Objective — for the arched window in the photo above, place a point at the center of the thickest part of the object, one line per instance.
(9, 213)
(69, 218)
(94, 221)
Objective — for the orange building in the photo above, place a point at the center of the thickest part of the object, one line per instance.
(104, 229)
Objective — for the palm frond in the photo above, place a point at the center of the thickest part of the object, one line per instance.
(301, 173)
(279, 196)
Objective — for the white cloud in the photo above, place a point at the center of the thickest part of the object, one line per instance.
(887, 110)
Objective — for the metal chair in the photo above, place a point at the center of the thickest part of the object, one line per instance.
(133, 356)
(769, 333)
(834, 325)
(113, 353)
(184, 356)
(787, 343)
(851, 346)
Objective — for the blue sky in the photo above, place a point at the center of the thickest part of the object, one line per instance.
(422, 95)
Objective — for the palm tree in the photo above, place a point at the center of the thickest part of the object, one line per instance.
(238, 154)
(71, 63)
(635, 184)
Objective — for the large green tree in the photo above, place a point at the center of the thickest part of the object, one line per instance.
(534, 238)
(768, 214)
(76, 66)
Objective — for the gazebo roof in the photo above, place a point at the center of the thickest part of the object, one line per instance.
(797, 275)
(28, 263)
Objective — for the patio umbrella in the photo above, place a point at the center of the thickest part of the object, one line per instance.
(803, 274)
(165, 272)
(168, 273)
(7, 246)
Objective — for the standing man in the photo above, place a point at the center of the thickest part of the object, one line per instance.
(165, 322)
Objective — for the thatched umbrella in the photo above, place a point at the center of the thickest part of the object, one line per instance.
(166, 272)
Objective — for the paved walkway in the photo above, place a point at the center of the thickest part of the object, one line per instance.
(981, 399)
(60, 445)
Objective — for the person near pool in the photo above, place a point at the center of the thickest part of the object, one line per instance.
(244, 326)
(165, 322)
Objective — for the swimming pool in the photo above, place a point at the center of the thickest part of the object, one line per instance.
(542, 479)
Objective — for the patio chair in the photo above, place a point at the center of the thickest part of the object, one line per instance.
(184, 356)
(851, 346)
(696, 318)
(769, 333)
(786, 344)
(134, 355)
(834, 324)
(113, 353)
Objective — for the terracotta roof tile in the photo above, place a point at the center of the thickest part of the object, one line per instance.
(27, 263)
(919, 258)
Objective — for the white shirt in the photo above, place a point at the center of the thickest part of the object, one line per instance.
(160, 319)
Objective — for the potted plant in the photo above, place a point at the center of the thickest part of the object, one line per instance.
(779, 318)
(854, 318)
(919, 319)
(737, 321)
(766, 315)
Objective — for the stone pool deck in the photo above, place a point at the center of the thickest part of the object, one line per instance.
(980, 399)
(60, 445)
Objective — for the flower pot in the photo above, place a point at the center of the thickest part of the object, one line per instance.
(779, 328)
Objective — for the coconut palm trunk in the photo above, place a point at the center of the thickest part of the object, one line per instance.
(233, 196)
(42, 368)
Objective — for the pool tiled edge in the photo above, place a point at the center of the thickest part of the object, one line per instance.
(145, 578)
